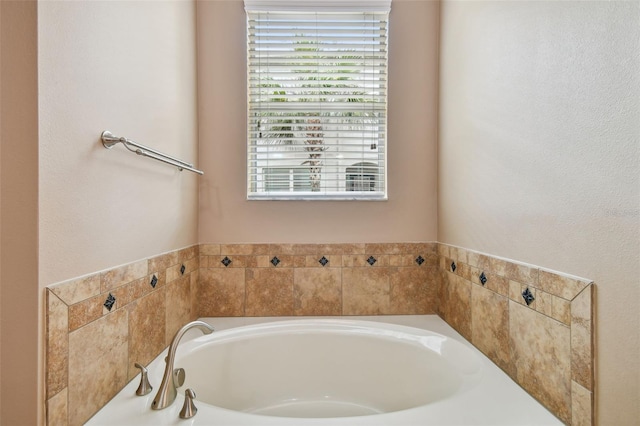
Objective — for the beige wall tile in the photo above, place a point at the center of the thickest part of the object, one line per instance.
(561, 309)
(221, 293)
(97, 365)
(237, 261)
(581, 406)
(412, 291)
(497, 266)
(317, 291)
(141, 287)
(457, 305)
(162, 262)
(541, 355)
(279, 249)
(178, 306)
(286, 261)
(473, 258)
(243, 249)
(147, 330)
(314, 261)
(122, 275)
(515, 293)
(443, 250)
(365, 291)
(339, 249)
(87, 311)
(521, 273)
(57, 344)
(401, 260)
(195, 288)
(187, 253)
(582, 338)
(175, 272)
(463, 270)
(495, 283)
(413, 249)
(57, 410)
(490, 326)
(209, 249)
(360, 261)
(459, 254)
(560, 285)
(77, 290)
(544, 303)
(269, 291)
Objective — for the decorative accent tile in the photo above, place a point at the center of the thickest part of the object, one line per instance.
(453, 266)
(528, 296)
(371, 260)
(275, 261)
(483, 278)
(182, 269)
(419, 260)
(109, 302)
(226, 261)
(323, 261)
(154, 281)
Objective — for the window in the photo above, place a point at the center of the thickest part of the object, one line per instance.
(361, 177)
(317, 99)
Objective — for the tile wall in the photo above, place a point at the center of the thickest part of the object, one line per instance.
(100, 325)
(317, 279)
(535, 324)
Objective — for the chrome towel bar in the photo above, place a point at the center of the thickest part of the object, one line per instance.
(109, 140)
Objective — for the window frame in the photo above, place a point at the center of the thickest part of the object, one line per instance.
(338, 186)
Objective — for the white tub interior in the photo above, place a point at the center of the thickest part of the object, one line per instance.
(327, 368)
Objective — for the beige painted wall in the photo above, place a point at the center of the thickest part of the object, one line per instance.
(225, 216)
(127, 67)
(19, 291)
(539, 153)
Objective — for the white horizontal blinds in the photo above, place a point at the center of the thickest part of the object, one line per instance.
(317, 99)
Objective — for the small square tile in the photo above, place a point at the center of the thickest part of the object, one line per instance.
(226, 261)
(323, 261)
(528, 296)
(371, 260)
(419, 260)
(275, 261)
(109, 302)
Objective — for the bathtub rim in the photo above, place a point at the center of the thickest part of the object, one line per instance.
(496, 401)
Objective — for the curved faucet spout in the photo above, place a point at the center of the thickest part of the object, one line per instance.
(168, 391)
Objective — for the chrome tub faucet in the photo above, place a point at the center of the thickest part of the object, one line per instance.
(168, 389)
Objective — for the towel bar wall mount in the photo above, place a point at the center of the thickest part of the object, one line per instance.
(109, 140)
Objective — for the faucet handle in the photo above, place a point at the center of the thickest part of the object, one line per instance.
(178, 377)
(144, 387)
(189, 409)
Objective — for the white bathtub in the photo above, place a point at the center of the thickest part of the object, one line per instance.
(400, 370)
